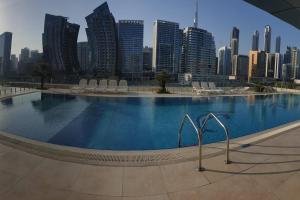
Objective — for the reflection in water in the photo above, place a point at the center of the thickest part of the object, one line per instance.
(48, 101)
(7, 102)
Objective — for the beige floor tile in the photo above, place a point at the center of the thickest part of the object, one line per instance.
(99, 181)
(78, 196)
(143, 181)
(7, 180)
(54, 174)
(19, 163)
(237, 188)
(290, 189)
(159, 197)
(183, 176)
(23, 191)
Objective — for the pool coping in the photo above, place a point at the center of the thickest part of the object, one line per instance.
(137, 158)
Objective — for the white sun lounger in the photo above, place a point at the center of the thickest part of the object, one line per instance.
(93, 84)
(112, 86)
(123, 86)
(102, 87)
(213, 87)
(81, 86)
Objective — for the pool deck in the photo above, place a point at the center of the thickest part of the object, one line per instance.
(265, 170)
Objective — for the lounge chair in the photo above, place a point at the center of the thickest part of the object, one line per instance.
(102, 87)
(112, 86)
(81, 86)
(196, 86)
(204, 86)
(123, 86)
(93, 84)
(213, 87)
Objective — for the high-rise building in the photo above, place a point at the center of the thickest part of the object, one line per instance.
(166, 47)
(199, 53)
(268, 39)
(131, 37)
(270, 65)
(147, 59)
(234, 42)
(240, 65)
(196, 16)
(60, 44)
(224, 62)
(278, 44)
(35, 56)
(25, 55)
(288, 55)
(102, 38)
(255, 41)
(5, 52)
(257, 64)
(278, 66)
(84, 57)
(295, 62)
(14, 62)
(287, 72)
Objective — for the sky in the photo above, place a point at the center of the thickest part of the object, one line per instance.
(25, 19)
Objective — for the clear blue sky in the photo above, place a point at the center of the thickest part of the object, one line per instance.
(25, 18)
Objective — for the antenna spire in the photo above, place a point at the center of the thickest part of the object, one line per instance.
(196, 16)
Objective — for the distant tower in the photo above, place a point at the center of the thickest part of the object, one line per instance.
(267, 39)
(234, 43)
(196, 16)
(255, 41)
(278, 42)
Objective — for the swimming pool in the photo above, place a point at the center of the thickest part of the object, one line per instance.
(139, 123)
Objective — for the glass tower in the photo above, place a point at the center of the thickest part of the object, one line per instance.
(5, 52)
(166, 47)
(60, 44)
(131, 37)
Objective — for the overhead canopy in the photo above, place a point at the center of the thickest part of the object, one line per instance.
(287, 10)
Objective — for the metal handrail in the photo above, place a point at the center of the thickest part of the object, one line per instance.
(199, 135)
(212, 116)
(199, 132)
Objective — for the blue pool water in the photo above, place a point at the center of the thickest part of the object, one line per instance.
(111, 123)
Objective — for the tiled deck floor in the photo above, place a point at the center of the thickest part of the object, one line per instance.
(269, 170)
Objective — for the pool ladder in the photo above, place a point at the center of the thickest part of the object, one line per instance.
(200, 131)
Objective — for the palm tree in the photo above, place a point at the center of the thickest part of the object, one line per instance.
(42, 70)
(163, 78)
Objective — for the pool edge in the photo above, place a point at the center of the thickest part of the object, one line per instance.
(136, 158)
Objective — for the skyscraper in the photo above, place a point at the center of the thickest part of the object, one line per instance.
(5, 52)
(131, 37)
(199, 53)
(166, 47)
(147, 59)
(14, 62)
(278, 66)
(84, 56)
(255, 41)
(270, 65)
(257, 64)
(35, 56)
(278, 44)
(287, 55)
(295, 61)
(196, 16)
(224, 61)
(268, 36)
(24, 56)
(234, 43)
(102, 38)
(60, 44)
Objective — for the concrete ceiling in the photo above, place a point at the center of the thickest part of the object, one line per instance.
(287, 10)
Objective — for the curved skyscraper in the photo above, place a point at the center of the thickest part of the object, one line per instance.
(102, 37)
(60, 44)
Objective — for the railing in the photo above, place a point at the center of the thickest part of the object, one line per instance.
(200, 132)
(12, 90)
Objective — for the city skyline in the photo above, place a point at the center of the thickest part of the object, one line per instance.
(30, 35)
